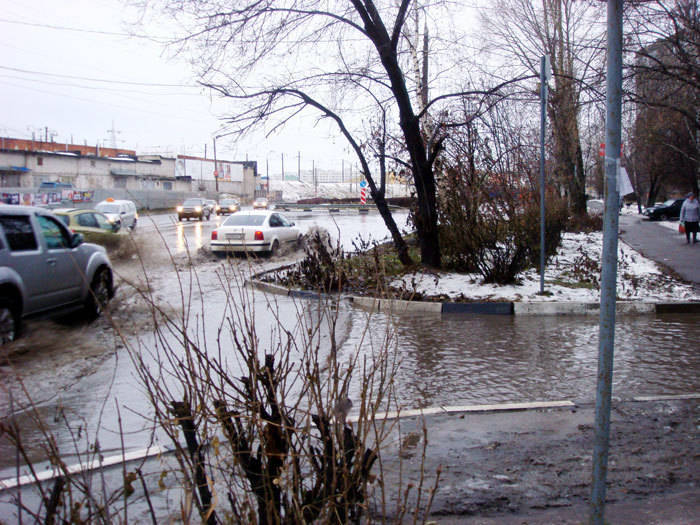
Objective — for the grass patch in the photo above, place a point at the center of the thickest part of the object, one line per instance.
(575, 284)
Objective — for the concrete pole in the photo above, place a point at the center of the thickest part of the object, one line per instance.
(544, 73)
(606, 339)
(216, 175)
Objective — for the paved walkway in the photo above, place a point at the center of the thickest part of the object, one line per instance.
(663, 245)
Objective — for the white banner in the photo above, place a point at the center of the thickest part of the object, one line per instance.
(624, 186)
(203, 169)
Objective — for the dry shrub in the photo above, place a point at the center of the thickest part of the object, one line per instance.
(278, 412)
(585, 223)
(494, 229)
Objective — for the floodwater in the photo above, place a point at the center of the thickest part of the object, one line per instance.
(470, 359)
(81, 377)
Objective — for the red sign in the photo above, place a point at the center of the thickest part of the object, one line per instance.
(601, 150)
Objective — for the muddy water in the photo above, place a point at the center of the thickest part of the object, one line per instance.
(457, 359)
(80, 376)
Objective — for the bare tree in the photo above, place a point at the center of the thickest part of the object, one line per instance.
(568, 32)
(345, 62)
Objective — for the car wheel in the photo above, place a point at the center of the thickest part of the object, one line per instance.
(663, 217)
(99, 294)
(9, 321)
(275, 248)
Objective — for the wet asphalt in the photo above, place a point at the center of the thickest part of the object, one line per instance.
(663, 245)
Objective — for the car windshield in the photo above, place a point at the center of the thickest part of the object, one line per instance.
(192, 202)
(669, 202)
(227, 202)
(244, 220)
(108, 208)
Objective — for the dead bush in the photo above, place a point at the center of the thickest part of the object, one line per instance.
(494, 229)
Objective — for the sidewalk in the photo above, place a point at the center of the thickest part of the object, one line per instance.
(661, 242)
(534, 466)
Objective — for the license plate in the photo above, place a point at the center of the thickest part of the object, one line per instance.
(234, 236)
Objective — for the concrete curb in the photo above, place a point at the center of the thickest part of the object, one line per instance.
(399, 306)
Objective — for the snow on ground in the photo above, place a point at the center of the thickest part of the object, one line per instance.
(571, 276)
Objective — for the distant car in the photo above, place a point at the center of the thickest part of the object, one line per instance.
(595, 206)
(193, 208)
(119, 211)
(260, 203)
(227, 206)
(45, 269)
(670, 209)
(86, 221)
(254, 231)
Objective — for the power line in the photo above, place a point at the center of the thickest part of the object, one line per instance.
(80, 30)
(89, 79)
(104, 103)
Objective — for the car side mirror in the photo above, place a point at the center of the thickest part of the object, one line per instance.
(76, 240)
(292, 223)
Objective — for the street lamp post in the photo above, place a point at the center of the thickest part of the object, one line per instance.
(216, 167)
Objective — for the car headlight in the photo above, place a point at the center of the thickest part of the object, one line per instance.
(197, 208)
(179, 208)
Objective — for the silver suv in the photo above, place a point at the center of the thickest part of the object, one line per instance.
(45, 269)
(119, 212)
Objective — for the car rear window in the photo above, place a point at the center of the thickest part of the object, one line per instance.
(244, 220)
(64, 218)
(18, 232)
(108, 208)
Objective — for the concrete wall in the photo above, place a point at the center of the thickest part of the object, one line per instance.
(150, 181)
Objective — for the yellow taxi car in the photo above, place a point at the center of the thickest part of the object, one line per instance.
(86, 221)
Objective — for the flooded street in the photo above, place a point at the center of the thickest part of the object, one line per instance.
(470, 359)
(82, 381)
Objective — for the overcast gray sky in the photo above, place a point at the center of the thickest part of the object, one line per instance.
(72, 68)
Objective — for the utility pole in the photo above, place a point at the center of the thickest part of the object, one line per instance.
(544, 77)
(216, 168)
(342, 170)
(299, 166)
(113, 133)
(282, 165)
(606, 338)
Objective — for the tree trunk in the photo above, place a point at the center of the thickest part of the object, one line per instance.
(385, 212)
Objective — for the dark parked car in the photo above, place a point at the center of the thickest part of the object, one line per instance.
(45, 269)
(671, 209)
(193, 208)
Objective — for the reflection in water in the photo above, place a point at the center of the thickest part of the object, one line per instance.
(457, 359)
(188, 237)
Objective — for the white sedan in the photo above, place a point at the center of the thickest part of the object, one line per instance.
(255, 231)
